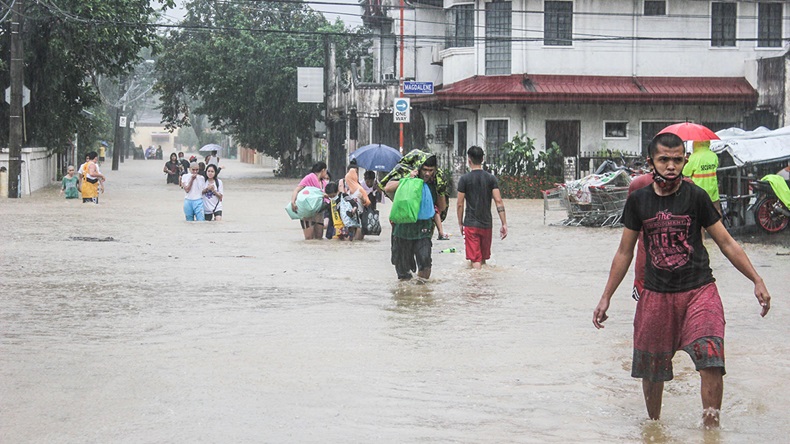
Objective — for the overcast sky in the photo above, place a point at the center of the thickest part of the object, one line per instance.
(349, 14)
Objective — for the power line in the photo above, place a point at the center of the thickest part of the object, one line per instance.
(576, 37)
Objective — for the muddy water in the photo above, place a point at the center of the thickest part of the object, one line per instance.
(240, 331)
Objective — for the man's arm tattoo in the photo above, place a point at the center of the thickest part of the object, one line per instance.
(500, 209)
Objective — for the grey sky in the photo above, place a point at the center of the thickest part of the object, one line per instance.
(349, 14)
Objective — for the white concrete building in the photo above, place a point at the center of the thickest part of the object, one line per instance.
(586, 74)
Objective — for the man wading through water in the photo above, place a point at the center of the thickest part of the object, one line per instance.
(680, 308)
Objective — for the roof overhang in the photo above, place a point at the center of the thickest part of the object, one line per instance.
(520, 88)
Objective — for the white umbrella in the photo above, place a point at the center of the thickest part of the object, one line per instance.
(211, 147)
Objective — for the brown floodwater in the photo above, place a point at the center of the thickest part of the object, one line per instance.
(123, 323)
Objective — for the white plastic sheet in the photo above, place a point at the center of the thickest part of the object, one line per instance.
(759, 145)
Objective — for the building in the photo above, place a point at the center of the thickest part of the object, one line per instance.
(149, 131)
(587, 75)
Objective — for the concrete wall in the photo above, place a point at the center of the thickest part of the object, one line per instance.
(531, 121)
(247, 155)
(693, 57)
(39, 170)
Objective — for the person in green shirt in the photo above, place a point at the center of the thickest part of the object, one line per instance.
(411, 242)
(70, 184)
(701, 168)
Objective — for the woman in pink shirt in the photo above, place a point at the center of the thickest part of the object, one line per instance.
(312, 226)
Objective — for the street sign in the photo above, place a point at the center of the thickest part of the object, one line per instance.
(122, 121)
(310, 82)
(401, 110)
(25, 95)
(417, 87)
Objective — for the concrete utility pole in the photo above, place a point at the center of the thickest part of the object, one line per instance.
(120, 138)
(15, 120)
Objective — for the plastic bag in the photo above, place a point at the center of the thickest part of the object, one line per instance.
(406, 204)
(308, 203)
(371, 224)
(349, 212)
(426, 204)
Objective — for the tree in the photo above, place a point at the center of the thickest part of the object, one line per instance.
(236, 63)
(68, 45)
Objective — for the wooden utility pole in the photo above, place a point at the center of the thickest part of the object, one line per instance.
(15, 120)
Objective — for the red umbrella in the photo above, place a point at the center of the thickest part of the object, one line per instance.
(690, 131)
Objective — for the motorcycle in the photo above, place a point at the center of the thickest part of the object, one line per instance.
(770, 213)
(610, 166)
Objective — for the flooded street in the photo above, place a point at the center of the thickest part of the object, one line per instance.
(123, 323)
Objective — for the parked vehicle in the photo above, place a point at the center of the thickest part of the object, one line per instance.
(770, 213)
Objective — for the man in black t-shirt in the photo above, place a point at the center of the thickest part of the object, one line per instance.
(475, 191)
(680, 308)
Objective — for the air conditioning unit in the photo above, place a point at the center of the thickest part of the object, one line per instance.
(436, 56)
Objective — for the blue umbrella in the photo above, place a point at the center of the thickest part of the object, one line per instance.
(376, 157)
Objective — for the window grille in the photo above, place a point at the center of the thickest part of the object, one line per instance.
(558, 24)
(498, 28)
(723, 24)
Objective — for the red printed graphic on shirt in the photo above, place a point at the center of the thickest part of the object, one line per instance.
(669, 245)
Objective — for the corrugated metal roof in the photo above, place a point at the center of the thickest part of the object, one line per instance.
(519, 88)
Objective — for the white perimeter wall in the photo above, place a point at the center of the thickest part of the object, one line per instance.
(39, 170)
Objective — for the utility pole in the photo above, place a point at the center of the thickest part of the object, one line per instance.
(400, 77)
(15, 120)
(120, 125)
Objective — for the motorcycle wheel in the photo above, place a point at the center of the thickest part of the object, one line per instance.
(767, 218)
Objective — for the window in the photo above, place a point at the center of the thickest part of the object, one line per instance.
(461, 29)
(722, 24)
(649, 130)
(655, 7)
(498, 24)
(496, 136)
(769, 25)
(615, 130)
(460, 129)
(558, 24)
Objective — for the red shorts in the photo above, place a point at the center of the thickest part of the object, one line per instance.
(478, 243)
(664, 323)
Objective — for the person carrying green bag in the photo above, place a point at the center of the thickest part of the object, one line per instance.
(411, 241)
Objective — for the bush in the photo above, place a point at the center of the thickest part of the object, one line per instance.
(525, 187)
(522, 174)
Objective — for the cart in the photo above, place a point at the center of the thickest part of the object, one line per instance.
(595, 206)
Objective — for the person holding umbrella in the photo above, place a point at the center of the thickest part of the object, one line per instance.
(701, 168)
(211, 158)
(702, 163)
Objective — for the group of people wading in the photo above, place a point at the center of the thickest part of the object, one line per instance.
(678, 303)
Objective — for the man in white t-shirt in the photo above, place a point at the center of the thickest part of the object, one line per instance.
(193, 184)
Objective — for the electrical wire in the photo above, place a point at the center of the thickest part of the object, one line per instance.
(539, 33)
(10, 8)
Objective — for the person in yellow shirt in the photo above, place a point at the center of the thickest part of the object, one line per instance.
(701, 168)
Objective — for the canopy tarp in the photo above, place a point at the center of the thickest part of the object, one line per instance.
(760, 145)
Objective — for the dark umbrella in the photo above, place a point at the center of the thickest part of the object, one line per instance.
(376, 157)
(690, 131)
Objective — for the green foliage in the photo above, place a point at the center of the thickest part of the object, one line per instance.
(552, 161)
(67, 46)
(517, 158)
(242, 76)
(524, 174)
(524, 187)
